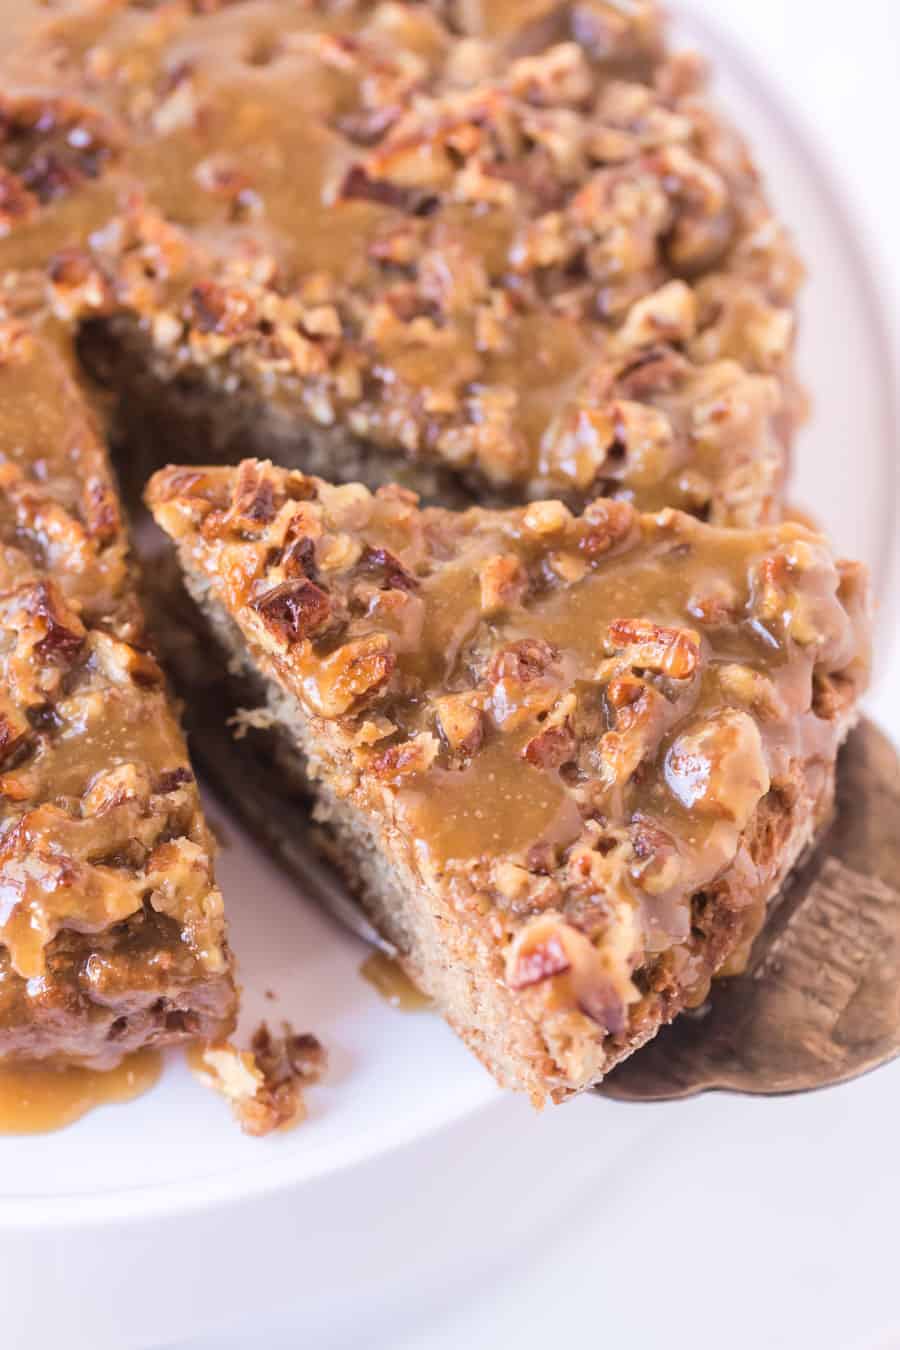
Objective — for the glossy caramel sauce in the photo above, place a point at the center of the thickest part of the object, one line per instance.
(231, 128)
(38, 1098)
(388, 978)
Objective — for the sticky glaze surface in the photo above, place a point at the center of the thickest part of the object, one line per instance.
(111, 926)
(522, 249)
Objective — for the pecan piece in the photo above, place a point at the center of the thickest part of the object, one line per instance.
(17, 204)
(640, 719)
(550, 748)
(657, 866)
(359, 187)
(389, 570)
(719, 768)
(101, 509)
(356, 671)
(225, 311)
(14, 728)
(253, 498)
(524, 660)
(669, 651)
(550, 517)
(657, 370)
(409, 757)
(503, 581)
(460, 722)
(596, 977)
(77, 285)
(64, 632)
(294, 610)
(538, 959)
(669, 314)
(603, 525)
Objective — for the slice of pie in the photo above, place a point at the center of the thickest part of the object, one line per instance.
(567, 761)
(112, 935)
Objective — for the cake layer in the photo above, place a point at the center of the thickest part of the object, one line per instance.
(495, 252)
(567, 761)
(112, 934)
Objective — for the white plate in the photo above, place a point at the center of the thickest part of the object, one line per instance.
(177, 1149)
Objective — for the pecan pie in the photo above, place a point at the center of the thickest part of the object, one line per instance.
(112, 935)
(494, 251)
(567, 760)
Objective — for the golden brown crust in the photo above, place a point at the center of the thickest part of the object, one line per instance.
(510, 246)
(111, 926)
(574, 770)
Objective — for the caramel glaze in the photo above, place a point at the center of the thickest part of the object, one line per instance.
(264, 191)
(111, 926)
(388, 978)
(37, 1098)
(568, 724)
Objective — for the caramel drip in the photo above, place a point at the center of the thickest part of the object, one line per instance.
(388, 978)
(38, 1098)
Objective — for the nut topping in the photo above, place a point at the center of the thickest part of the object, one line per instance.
(294, 610)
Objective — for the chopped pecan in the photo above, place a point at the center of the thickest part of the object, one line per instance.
(64, 633)
(101, 509)
(719, 769)
(753, 690)
(666, 315)
(669, 651)
(388, 569)
(77, 286)
(603, 525)
(559, 75)
(356, 671)
(460, 721)
(610, 31)
(658, 370)
(253, 500)
(17, 204)
(503, 582)
(536, 958)
(640, 721)
(596, 974)
(293, 610)
(716, 603)
(359, 186)
(409, 757)
(657, 866)
(224, 311)
(547, 517)
(14, 728)
(264, 1084)
(112, 787)
(551, 748)
(580, 444)
(53, 144)
(704, 220)
(173, 779)
(524, 660)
